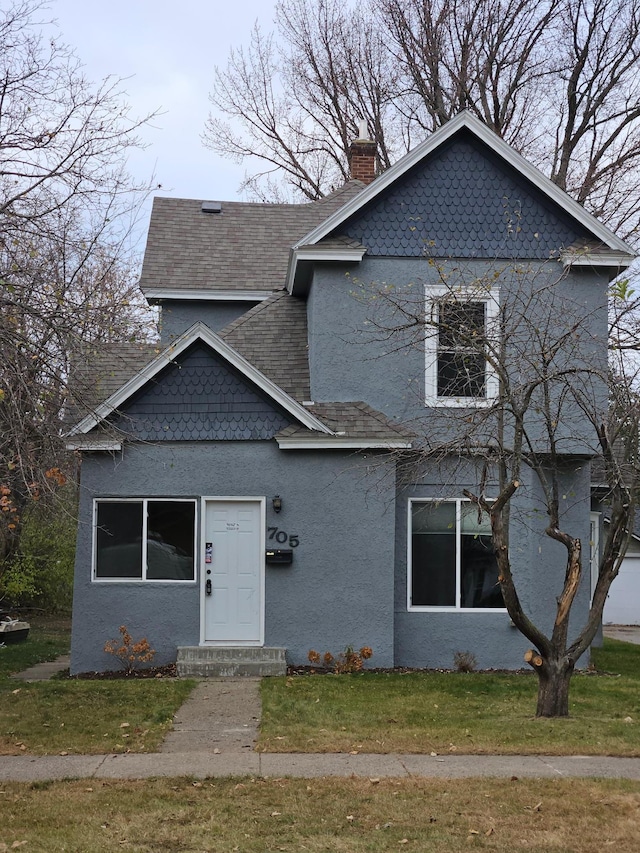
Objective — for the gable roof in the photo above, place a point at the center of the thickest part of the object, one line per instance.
(612, 251)
(197, 332)
(240, 252)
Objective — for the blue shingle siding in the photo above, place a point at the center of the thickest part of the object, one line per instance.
(200, 398)
(462, 202)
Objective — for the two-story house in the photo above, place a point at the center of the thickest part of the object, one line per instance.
(245, 485)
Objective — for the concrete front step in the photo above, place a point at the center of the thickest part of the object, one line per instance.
(229, 661)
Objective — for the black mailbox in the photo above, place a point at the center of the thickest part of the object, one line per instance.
(279, 557)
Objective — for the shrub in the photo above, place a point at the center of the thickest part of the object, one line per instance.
(128, 653)
(349, 660)
(465, 661)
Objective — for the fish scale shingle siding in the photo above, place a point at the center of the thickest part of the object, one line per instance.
(200, 398)
(463, 203)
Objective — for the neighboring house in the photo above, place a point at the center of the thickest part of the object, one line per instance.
(622, 606)
(240, 487)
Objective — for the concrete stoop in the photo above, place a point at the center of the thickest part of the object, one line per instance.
(230, 661)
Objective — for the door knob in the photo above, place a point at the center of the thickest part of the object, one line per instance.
(207, 586)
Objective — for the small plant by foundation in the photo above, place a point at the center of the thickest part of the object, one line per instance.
(130, 655)
(350, 660)
(465, 661)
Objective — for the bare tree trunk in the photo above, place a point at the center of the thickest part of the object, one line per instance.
(554, 679)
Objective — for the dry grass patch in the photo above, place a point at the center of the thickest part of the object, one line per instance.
(472, 713)
(351, 815)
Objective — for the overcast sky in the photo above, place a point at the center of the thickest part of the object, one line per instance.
(168, 51)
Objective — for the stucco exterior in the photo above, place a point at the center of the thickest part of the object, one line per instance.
(336, 592)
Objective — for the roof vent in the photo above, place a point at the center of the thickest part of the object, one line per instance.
(211, 207)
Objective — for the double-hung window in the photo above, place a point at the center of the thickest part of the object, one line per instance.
(144, 540)
(452, 563)
(460, 331)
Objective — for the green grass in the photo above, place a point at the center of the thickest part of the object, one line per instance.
(91, 717)
(455, 712)
(47, 640)
(318, 815)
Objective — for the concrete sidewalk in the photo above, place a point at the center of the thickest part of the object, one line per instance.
(22, 768)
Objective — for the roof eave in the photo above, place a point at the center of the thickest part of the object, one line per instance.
(94, 446)
(616, 260)
(159, 294)
(302, 259)
(341, 444)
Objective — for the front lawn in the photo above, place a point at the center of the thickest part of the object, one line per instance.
(91, 717)
(317, 815)
(455, 712)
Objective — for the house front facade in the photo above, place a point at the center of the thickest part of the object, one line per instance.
(257, 480)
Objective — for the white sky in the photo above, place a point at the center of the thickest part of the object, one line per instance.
(167, 49)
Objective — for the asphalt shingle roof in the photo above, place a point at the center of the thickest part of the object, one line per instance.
(273, 337)
(356, 421)
(244, 247)
(100, 371)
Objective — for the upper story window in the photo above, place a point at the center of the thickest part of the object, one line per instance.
(144, 540)
(459, 330)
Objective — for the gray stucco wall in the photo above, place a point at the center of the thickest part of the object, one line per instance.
(431, 638)
(352, 356)
(337, 592)
(179, 315)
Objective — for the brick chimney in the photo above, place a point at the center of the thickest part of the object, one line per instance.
(362, 156)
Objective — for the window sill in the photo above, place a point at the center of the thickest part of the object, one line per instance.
(423, 608)
(145, 581)
(459, 402)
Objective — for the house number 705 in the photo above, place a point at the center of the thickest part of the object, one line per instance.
(281, 537)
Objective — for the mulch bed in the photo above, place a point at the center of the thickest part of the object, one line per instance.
(170, 671)
(167, 671)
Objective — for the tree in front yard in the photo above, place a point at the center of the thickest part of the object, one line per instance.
(67, 269)
(518, 369)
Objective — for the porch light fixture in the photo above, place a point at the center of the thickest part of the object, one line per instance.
(276, 500)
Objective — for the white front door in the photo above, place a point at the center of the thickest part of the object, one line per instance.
(233, 572)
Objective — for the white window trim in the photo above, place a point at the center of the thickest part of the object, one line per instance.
(143, 579)
(434, 294)
(431, 608)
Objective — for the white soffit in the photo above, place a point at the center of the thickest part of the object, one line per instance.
(466, 120)
(341, 444)
(207, 295)
(595, 259)
(320, 253)
(94, 445)
(199, 331)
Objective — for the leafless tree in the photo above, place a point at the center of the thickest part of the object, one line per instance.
(554, 403)
(558, 80)
(67, 266)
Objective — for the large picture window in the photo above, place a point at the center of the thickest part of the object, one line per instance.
(452, 564)
(459, 331)
(145, 540)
